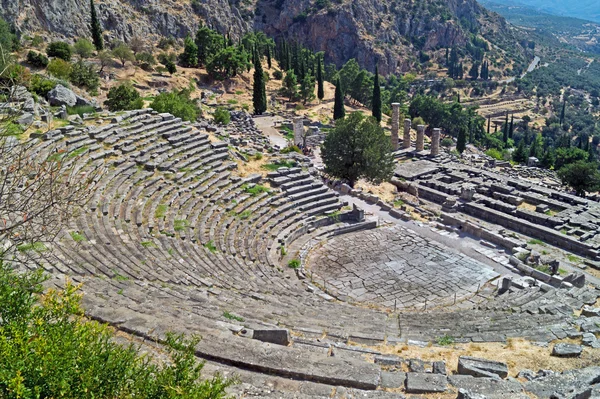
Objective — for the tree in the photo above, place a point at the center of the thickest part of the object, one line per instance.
(358, 148)
(171, 67)
(123, 97)
(474, 71)
(222, 116)
(227, 63)
(505, 135)
(177, 103)
(189, 57)
(562, 113)
(96, 28)
(339, 111)
(60, 68)
(512, 126)
(521, 153)
(269, 62)
(123, 53)
(85, 75)
(105, 58)
(83, 48)
(376, 96)
(461, 142)
(6, 45)
(259, 94)
(307, 88)
(320, 84)
(209, 43)
(37, 60)
(581, 176)
(137, 45)
(60, 50)
(290, 85)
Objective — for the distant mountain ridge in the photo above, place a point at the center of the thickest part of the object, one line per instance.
(584, 9)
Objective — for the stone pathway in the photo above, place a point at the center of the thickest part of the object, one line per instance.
(396, 267)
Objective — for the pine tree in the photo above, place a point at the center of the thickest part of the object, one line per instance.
(259, 95)
(376, 95)
(461, 141)
(96, 28)
(320, 85)
(339, 110)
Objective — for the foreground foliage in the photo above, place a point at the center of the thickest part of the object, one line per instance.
(177, 103)
(49, 350)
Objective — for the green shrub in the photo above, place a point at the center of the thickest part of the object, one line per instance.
(37, 60)
(60, 69)
(222, 116)
(291, 148)
(37, 41)
(80, 110)
(123, 97)
(278, 75)
(85, 75)
(50, 350)
(495, 153)
(294, 264)
(40, 85)
(60, 50)
(447, 142)
(84, 48)
(145, 60)
(177, 103)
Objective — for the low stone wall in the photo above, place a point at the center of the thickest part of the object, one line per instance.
(544, 233)
(481, 232)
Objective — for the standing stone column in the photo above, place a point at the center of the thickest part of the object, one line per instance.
(435, 142)
(298, 131)
(395, 125)
(420, 138)
(406, 141)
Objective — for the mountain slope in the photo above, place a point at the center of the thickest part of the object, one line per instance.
(390, 33)
(584, 9)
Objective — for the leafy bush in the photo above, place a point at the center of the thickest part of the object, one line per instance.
(278, 75)
(40, 85)
(495, 153)
(85, 75)
(294, 264)
(222, 116)
(37, 60)
(60, 50)
(177, 103)
(60, 68)
(84, 48)
(80, 110)
(292, 148)
(50, 350)
(146, 61)
(123, 97)
(447, 142)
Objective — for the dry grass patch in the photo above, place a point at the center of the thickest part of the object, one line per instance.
(253, 166)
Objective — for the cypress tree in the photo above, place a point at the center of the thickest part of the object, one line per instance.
(320, 86)
(269, 56)
(562, 114)
(512, 127)
(376, 95)
(505, 136)
(461, 141)
(96, 28)
(489, 124)
(339, 110)
(259, 94)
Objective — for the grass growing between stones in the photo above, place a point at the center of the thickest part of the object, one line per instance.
(272, 167)
(77, 152)
(294, 264)
(231, 316)
(34, 246)
(245, 214)
(148, 244)
(445, 340)
(77, 237)
(181, 224)
(50, 349)
(535, 241)
(574, 258)
(211, 247)
(255, 189)
(120, 277)
(161, 211)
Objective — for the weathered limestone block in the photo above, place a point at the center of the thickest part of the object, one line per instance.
(279, 336)
(567, 350)
(481, 367)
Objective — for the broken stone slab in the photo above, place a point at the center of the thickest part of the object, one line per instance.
(25, 119)
(589, 339)
(477, 367)
(588, 311)
(279, 336)
(389, 360)
(439, 367)
(392, 380)
(490, 388)
(564, 383)
(466, 394)
(567, 350)
(425, 383)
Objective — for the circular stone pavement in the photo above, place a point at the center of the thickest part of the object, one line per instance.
(385, 265)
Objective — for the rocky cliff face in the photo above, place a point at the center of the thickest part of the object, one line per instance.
(390, 33)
